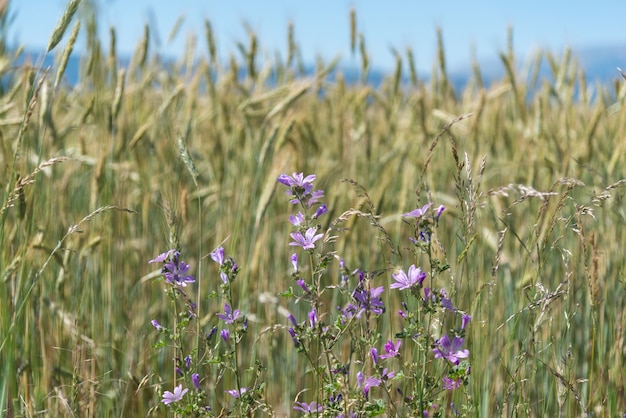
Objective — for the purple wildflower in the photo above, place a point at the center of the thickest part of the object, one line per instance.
(417, 213)
(313, 317)
(294, 261)
(162, 257)
(387, 375)
(195, 378)
(403, 281)
(306, 241)
(348, 312)
(320, 211)
(292, 319)
(339, 397)
(177, 395)
(294, 337)
(156, 324)
(315, 197)
(342, 266)
(366, 383)
(296, 220)
(211, 333)
(237, 393)
(218, 255)
(308, 408)
(392, 350)
(451, 384)
(229, 316)
(175, 271)
(424, 235)
(446, 302)
(298, 180)
(374, 354)
(465, 320)
(303, 286)
(224, 277)
(225, 334)
(440, 210)
(369, 301)
(187, 361)
(450, 350)
(300, 188)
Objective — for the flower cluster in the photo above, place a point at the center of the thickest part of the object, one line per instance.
(174, 269)
(424, 221)
(351, 360)
(365, 302)
(228, 268)
(301, 189)
(365, 299)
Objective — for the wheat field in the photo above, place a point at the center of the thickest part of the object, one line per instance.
(102, 176)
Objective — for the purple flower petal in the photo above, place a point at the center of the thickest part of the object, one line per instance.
(237, 393)
(465, 320)
(392, 350)
(218, 255)
(440, 210)
(406, 281)
(172, 397)
(294, 261)
(308, 408)
(450, 350)
(195, 378)
(162, 257)
(306, 241)
(229, 316)
(320, 211)
(417, 213)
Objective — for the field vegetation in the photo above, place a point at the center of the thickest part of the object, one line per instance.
(100, 177)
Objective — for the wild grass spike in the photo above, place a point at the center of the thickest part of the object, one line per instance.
(62, 24)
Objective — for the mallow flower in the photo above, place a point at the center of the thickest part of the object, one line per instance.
(450, 350)
(172, 397)
(306, 241)
(406, 281)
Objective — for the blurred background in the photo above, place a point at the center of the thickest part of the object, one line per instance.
(474, 30)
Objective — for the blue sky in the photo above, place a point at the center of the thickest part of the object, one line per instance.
(322, 26)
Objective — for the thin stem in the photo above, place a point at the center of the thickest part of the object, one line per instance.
(199, 291)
